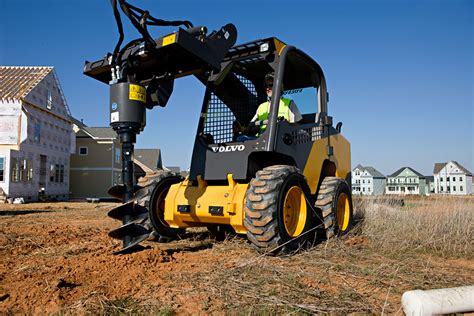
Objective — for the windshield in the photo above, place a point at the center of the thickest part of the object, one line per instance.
(305, 99)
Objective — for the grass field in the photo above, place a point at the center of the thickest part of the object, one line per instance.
(56, 258)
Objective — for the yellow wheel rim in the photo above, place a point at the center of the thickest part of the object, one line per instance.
(294, 211)
(343, 211)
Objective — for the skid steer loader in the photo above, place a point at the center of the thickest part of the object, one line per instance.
(283, 187)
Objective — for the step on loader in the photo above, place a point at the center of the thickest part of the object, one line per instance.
(285, 184)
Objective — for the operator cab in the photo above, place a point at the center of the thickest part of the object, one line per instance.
(233, 95)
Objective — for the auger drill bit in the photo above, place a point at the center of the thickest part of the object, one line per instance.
(127, 106)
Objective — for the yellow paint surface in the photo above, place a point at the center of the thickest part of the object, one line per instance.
(318, 154)
(170, 39)
(200, 197)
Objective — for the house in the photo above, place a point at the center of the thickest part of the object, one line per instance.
(430, 184)
(36, 136)
(96, 165)
(367, 181)
(405, 181)
(147, 161)
(452, 178)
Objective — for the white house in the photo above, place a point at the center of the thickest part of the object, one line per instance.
(452, 178)
(36, 136)
(367, 181)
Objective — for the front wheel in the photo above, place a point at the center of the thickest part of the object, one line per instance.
(277, 213)
(153, 198)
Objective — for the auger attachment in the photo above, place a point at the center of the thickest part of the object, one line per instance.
(127, 118)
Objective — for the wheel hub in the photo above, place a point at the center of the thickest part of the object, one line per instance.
(294, 211)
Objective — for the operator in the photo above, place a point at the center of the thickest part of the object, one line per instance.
(287, 110)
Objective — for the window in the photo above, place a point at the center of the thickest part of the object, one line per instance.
(118, 154)
(363, 181)
(37, 134)
(368, 181)
(49, 101)
(447, 178)
(460, 188)
(441, 189)
(363, 189)
(368, 189)
(83, 151)
(15, 170)
(21, 170)
(454, 188)
(2, 169)
(454, 179)
(26, 172)
(460, 179)
(441, 179)
(56, 173)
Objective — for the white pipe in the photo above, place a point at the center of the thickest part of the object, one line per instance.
(439, 301)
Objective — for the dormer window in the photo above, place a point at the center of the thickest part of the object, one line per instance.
(49, 101)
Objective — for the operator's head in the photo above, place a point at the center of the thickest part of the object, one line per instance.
(269, 78)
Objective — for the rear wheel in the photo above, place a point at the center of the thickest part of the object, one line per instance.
(277, 213)
(153, 198)
(334, 204)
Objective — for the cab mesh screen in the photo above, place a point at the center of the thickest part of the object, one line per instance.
(235, 99)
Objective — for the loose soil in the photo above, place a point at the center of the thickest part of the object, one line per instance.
(57, 258)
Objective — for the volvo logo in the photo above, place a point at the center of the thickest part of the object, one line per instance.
(230, 148)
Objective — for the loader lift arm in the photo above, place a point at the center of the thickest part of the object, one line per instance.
(141, 75)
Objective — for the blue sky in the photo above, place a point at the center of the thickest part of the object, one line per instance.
(399, 73)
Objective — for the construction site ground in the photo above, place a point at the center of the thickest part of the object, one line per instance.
(57, 258)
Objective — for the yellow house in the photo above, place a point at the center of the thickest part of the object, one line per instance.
(96, 165)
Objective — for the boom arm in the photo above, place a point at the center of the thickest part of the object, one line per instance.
(140, 75)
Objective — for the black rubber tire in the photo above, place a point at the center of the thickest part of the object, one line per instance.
(264, 210)
(326, 206)
(154, 186)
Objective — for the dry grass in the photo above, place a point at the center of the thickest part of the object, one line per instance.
(441, 226)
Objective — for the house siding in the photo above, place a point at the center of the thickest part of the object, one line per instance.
(457, 179)
(93, 174)
(406, 183)
(38, 132)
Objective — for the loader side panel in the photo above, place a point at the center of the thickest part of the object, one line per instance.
(341, 158)
(308, 145)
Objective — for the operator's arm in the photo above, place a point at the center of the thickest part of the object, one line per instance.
(294, 115)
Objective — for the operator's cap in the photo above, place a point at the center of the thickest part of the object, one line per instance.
(269, 78)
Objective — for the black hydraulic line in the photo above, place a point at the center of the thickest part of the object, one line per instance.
(159, 22)
(146, 36)
(118, 20)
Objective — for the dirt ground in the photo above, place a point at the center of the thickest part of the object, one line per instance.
(57, 258)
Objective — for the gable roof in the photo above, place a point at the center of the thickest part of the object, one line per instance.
(151, 158)
(17, 81)
(440, 165)
(396, 173)
(374, 172)
(95, 132)
(101, 132)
